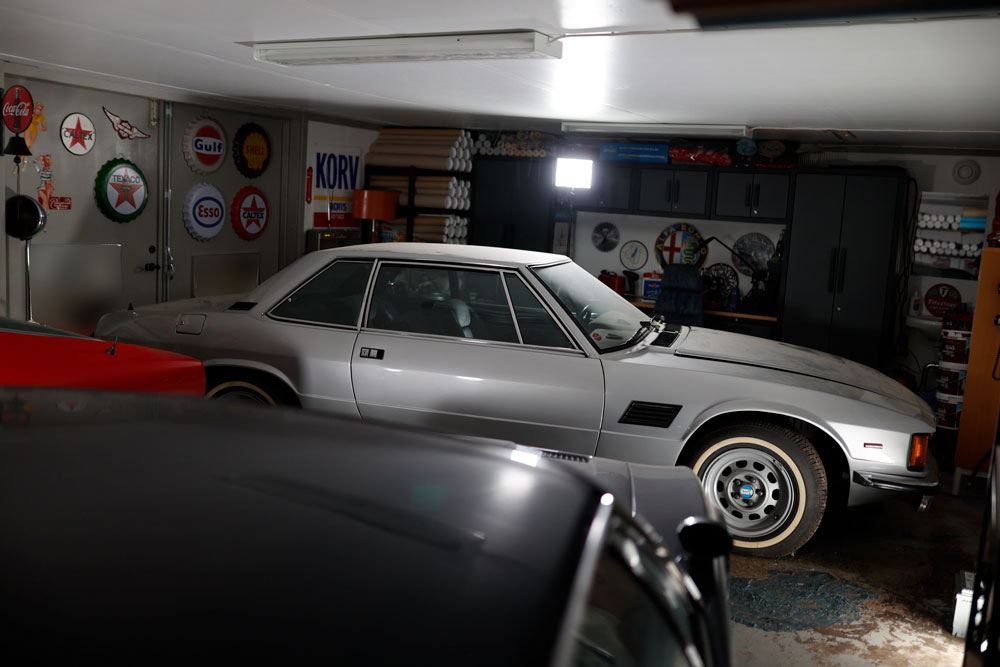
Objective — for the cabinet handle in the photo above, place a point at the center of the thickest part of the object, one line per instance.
(746, 197)
(756, 197)
(840, 279)
(833, 270)
(677, 192)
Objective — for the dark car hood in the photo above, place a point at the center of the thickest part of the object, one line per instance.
(751, 351)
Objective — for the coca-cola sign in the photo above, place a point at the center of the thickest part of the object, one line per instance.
(17, 109)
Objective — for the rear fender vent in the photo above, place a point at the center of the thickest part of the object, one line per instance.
(242, 305)
(563, 456)
(641, 413)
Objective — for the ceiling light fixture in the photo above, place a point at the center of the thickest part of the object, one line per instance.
(503, 45)
(658, 129)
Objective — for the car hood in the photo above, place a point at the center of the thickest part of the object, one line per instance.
(760, 352)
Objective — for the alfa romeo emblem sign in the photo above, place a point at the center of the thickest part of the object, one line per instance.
(680, 244)
(77, 134)
(249, 213)
(121, 190)
(204, 211)
(204, 145)
(251, 150)
(17, 109)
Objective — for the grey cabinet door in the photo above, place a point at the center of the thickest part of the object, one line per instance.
(656, 190)
(734, 194)
(862, 292)
(769, 196)
(813, 256)
(690, 192)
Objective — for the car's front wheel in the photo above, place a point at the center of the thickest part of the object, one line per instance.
(769, 483)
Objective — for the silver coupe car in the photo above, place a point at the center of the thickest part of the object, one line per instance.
(530, 347)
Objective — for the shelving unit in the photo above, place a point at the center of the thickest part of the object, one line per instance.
(941, 248)
(409, 208)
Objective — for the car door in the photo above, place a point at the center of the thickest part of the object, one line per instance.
(441, 348)
(313, 331)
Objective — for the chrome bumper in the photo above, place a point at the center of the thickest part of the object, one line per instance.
(898, 483)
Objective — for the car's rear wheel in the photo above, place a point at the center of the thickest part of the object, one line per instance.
(248, 388)
(769, 483)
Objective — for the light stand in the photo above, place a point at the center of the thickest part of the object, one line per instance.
(756, 298)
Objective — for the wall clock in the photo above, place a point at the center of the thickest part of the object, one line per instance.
(633, 255)
(605, 236)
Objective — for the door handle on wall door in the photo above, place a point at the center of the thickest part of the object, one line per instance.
(840, 278)
(831, 281)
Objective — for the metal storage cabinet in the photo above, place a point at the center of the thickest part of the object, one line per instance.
(747, 194)
(674, 191)
(511, 205)
(844, 263)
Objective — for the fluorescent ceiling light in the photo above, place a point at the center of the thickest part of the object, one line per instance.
(408, 48)
(573, 172)
(659, 129)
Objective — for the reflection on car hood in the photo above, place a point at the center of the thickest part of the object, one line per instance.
(752, 351)
(203, 304)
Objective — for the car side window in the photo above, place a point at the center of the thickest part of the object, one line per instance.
(334, 296)
(441, 301)
(623, 624)
(533, 320)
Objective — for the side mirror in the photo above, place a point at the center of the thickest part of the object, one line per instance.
(704, 538)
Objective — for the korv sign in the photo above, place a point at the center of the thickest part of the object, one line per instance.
(335, 176)
(17, 109)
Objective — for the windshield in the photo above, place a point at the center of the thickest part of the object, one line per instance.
(605, 317)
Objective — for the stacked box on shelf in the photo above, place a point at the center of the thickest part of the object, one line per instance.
(956, 336)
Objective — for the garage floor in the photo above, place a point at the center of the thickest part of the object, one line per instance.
(875, 586)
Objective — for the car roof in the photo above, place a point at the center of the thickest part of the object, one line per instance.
(444, 252)
(172, 523)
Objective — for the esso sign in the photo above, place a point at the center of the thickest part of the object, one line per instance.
(204, 211)
(17, 108)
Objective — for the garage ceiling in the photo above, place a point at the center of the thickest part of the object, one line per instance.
(906, 83)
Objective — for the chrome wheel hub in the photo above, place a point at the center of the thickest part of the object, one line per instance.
(753, 489)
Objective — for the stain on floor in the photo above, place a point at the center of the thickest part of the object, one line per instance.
(875, 586)
(790, 601)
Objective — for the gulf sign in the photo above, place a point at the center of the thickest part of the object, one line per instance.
(204, 145)
(335, 176)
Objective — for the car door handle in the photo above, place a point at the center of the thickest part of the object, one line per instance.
(372, 353)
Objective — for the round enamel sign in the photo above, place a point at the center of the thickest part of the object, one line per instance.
(17, 109)
(121, 190)
(204, 145)
(204, 211)
(251, 150)
(680, 244)
(941, 298)
(77, 134)
(249, 213)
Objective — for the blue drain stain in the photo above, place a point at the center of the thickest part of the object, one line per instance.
(793, 601)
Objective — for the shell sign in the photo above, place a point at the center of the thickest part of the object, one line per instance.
(251, 150)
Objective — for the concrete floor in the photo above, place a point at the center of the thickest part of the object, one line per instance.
(875, 586)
